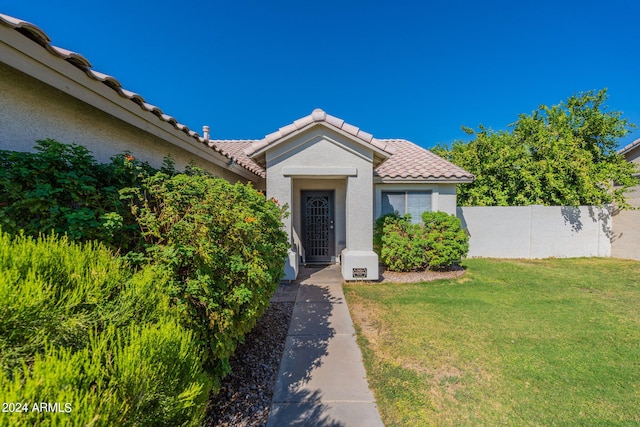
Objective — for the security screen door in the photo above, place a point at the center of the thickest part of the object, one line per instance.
(318, 227)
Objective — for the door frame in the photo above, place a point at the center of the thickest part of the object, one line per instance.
(331, 221)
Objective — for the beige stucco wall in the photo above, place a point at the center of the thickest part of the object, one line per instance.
(626, 223)
(31, 110)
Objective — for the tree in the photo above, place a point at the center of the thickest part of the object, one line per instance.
(559, 155)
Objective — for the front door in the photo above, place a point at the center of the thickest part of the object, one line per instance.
(318, 226)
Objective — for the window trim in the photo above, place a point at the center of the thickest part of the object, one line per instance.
(406, 193)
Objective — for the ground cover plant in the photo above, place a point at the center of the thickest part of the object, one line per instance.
(512, 342)
(96, 342)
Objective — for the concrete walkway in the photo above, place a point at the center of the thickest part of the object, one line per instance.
(322, 381)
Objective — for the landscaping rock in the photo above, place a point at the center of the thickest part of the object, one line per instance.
(245, 396)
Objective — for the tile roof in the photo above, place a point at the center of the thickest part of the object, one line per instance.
(235, 148)
(38, 36)
(410, 162)
(318, 116)
(414, 162)
(629, 147)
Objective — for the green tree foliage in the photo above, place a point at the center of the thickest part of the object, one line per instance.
(559, 155)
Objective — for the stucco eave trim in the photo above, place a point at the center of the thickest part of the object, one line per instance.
(257, 150)
(339, 171)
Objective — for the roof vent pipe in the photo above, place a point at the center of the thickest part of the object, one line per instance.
(205, 131)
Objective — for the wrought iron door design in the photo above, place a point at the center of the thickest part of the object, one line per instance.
(317, 225)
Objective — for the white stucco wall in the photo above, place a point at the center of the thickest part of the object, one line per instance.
(31, 110)
(537, 231)
(322, 149)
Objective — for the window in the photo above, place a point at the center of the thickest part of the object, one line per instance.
(411, 202)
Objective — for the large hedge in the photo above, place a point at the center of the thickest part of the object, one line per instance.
(62, 188)
(137, 340)
(79, 329)
(223, 247)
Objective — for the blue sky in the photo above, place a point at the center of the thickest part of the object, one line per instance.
(397, 69)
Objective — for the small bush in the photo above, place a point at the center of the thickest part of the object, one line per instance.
(446, 242)
(77, 326)
(438, 243)
(223, 247)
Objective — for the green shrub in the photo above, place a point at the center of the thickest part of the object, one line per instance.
(61, 188)
(78, 326)
(446, 242)
(438, 243)
(400, 249)
(224, 248)
(50, 290)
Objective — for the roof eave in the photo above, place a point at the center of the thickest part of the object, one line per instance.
(422, 180)
(22, 46)
(258, 154)
(628, 148)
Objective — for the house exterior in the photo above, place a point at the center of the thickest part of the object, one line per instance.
(335, 178)
(626, 233)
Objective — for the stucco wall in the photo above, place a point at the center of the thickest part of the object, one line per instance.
(321, 148)
(626, 223)
(31, 110)
(537, 231)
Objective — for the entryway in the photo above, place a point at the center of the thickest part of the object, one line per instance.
(318, 225)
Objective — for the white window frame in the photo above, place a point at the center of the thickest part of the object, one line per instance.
(406, 193)
(404, 187)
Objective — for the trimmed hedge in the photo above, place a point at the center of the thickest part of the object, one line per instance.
(80, 330)
(439, 242)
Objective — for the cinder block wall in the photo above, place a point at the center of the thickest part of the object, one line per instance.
(537, 231)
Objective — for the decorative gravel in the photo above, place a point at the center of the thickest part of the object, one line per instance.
(246, 393)
(419, 276)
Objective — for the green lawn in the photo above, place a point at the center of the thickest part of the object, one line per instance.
(539, 342)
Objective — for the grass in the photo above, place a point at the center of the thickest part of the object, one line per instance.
(535, 342)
